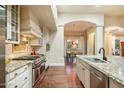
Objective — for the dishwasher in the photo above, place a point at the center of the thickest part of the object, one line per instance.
(98, 79)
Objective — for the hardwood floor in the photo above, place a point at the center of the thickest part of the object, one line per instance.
(61, 77)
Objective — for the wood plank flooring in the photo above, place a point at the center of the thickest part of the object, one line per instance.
(61, 77)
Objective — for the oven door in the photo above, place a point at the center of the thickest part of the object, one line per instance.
(37, 72)
(42, 68)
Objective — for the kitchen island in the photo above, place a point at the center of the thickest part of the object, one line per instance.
(113, 69)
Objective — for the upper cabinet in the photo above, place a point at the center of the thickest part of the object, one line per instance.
(13, 24)
(30, 26)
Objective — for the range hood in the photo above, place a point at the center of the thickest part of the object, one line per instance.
(30, 26)
(31, 33)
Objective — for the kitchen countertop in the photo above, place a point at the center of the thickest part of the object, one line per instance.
(15, 64)
(113, 69)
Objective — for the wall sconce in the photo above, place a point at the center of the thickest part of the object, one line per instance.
(25, 40)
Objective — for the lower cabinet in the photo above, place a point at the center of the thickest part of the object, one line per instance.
(87, 78)
(79, 71)
(83, 73)
(97, 79)
(20, 78)
(114, 84)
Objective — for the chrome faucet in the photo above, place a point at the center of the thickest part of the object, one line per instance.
(104, 58)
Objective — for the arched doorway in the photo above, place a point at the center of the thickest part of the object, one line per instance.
(114, 40)
(79, 38)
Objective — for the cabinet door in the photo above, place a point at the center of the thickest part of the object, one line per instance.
(82, 74)
(114, 84)
(78, 70)
(19, 81)
(8, 23)
(13, 24)
(87, 78)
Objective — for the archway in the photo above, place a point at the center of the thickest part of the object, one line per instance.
(114, 40)
(82, 33)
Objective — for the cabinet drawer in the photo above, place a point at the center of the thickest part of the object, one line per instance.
(16, 73)
(19, 81)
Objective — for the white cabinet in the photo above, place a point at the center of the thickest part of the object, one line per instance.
(20, 78)
(12, 24)
(16, 73)
(83, 73)
(19, 81)
(114, 84)
(79, 71)
(87, 78)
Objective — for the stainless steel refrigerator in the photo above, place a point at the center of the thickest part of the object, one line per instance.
(2, 45)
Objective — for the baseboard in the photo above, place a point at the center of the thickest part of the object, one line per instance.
(55, 64)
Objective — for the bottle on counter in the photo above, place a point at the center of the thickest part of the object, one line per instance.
(33, 52)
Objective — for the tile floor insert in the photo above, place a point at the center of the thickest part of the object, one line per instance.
(61, 77)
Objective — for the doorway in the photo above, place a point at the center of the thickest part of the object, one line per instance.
(114, 41)
(77, 39)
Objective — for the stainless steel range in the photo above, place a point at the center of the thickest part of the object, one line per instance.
(38, 66)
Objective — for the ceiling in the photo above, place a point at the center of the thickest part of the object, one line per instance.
(112, 10)
(77, 28)
(44, 15)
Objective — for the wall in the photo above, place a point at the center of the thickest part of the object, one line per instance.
(114, 21)
(109, 42)
(56, 53)
(10, 54)
(94, 18)
(57, 38)
(91, 42)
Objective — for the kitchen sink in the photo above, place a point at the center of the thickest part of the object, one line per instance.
(96, 60)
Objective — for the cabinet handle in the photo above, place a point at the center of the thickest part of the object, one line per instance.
(25, 68)
(16, 74)
(16, 86)
(25, 78)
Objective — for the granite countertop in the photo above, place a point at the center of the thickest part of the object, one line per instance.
(113, 69)
(15, 64)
